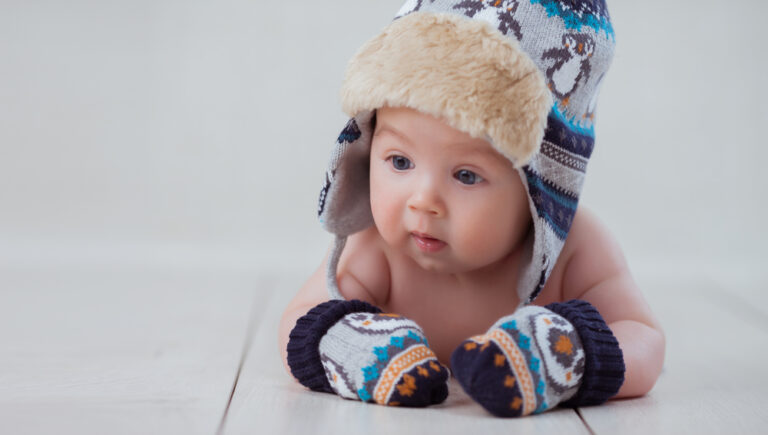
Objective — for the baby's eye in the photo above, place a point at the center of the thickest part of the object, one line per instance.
(400, 163)
(466, 176)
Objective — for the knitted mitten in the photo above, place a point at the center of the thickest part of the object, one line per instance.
(352, 349)
(537, 358)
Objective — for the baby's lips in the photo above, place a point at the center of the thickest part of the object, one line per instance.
(427, 243)
(425, 236)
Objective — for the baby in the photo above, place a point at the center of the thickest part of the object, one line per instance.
(453, 196)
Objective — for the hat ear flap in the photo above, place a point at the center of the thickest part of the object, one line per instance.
(345, 205)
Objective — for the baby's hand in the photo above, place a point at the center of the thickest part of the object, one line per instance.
(539, 357)
(352, 349)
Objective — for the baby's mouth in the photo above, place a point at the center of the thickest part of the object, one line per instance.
(427, 243)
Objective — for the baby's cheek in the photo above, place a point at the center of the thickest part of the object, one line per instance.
(484, 242)
(384, 216)
(491, 235)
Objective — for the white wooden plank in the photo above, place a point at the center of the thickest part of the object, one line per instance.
(267, 400)
(714, 375)
(119, 350)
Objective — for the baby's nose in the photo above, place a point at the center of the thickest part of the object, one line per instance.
(427, 199)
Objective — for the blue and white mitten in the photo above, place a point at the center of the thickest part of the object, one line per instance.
(541, 357)
(354, 350)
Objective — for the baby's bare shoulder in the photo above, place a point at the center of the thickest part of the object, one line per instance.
(363, 271)
(589, 234)
(591, 254)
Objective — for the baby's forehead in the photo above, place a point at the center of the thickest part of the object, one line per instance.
(431, 134)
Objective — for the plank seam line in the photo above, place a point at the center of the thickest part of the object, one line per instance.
(245, 350)
(583, 420)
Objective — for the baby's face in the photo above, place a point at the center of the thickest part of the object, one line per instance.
(448, 200)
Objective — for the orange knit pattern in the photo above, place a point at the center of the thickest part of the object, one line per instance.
(517, 360)
(400, 364)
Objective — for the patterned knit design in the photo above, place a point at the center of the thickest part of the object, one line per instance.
(344, 207)
(526, 363)
(383, 358)
(572, 44)
(348, 135)
(604, 366)
(304, 340)
(352, 349)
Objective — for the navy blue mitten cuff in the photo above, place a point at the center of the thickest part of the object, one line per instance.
(604, 365)
(304, 340)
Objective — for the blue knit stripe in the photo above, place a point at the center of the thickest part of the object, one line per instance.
(383, 356)
(580, 128)
(363, 394)
(569, 136)
(562, 198)
(553, 205)
(593, 14)
(370, 373)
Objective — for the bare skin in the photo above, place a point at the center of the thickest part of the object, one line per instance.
(436, 185)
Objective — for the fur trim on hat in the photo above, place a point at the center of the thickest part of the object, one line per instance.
(458, 69)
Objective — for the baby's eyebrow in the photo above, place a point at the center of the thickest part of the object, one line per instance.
(385, 128)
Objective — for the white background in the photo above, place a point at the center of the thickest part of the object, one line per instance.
(196, 133)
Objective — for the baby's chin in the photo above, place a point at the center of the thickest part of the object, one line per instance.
(439, 265)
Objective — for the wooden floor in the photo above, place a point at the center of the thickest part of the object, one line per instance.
(135, 350)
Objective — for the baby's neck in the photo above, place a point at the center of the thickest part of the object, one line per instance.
(501, 273)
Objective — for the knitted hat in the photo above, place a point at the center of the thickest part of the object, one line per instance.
(522, 74)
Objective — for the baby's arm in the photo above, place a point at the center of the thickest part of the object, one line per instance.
(349, 347)
(595, 271)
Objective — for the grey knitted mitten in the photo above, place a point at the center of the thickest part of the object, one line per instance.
(352, 349)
